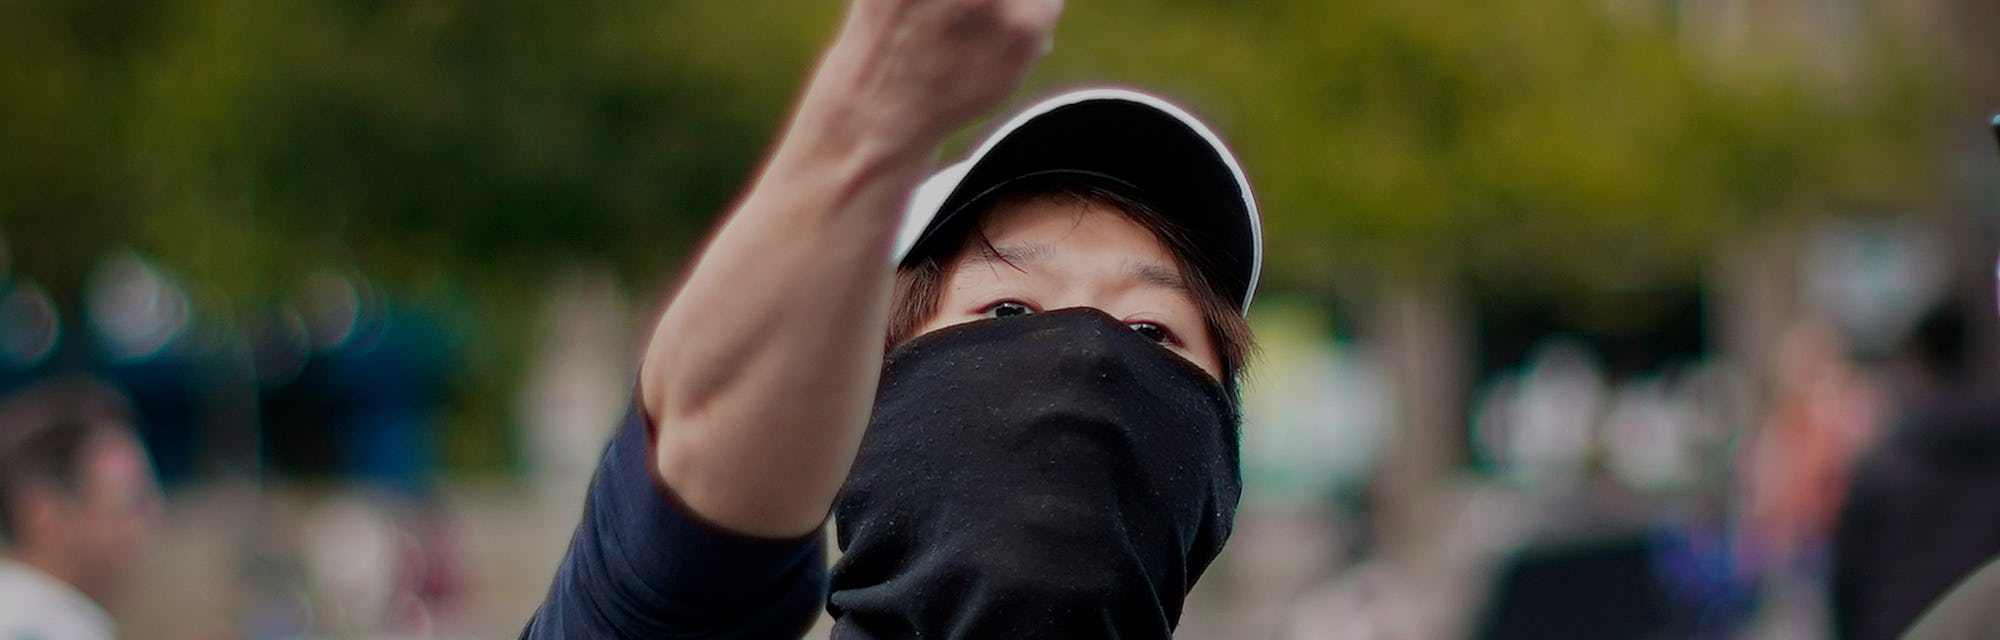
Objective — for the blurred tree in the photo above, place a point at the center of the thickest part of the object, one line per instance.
(426, 137)
(457, 150)
(62, 109)
(1520, 141)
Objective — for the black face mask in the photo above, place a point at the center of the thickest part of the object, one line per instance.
(1046, 476)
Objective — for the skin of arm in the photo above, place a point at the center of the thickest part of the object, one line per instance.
(762, 371)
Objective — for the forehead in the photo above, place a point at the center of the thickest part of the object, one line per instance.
(115, 460)
(1033, 226)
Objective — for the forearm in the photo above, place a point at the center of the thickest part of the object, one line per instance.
(762, 370)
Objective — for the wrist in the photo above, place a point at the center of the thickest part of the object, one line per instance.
(840, 174)
(843, 124)
(849, 146)
(841, 114)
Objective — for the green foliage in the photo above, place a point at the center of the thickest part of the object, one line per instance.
(459, 149)
(253, 140)
(452, 138)
(1519, 139)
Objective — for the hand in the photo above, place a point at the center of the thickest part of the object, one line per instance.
(913, 71)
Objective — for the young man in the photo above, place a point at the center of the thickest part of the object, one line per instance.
(78, 507)
(1050, 443)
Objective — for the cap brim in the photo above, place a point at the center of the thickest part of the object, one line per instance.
(1173, 160)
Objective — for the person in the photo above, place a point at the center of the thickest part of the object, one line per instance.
(1049, 446)
(1923, 505)
(1965, 612)
(78, 507)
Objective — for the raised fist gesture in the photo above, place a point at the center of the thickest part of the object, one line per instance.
(919, 69)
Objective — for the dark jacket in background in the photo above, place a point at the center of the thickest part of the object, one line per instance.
(1923, 512)
(1969, 612)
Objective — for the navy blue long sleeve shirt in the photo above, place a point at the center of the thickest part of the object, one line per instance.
(642, 566)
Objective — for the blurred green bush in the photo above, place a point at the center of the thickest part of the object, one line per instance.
(461, 149)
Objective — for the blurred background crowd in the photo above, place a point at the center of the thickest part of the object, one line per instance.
(1581, 318)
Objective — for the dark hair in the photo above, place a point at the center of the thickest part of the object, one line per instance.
(920, 279)
(44, 432)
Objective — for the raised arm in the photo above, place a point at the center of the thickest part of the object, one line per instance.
(761, 373)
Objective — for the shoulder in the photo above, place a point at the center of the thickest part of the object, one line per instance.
(1967, 611)
(33, 604)
(640, 565)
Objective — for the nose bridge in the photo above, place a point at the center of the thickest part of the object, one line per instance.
(1082, 302)
(1095, 285)
(1096, 303)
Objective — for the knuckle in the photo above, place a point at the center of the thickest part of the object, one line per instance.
(984, 9)
(1012, 17)
(1024, 24)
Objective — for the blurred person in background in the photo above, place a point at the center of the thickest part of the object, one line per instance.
(1792, 472)
(1923, 507)
(1052, 447)
(78, 507)
(1824, 411)
(1966, 611)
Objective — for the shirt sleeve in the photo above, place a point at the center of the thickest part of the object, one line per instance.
(1965, 612)
(641, 566)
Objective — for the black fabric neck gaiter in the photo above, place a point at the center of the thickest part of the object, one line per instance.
(1044, 476)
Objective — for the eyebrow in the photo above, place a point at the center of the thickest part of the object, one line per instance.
(1016, 256)
(1158, 275)
(1013, 255)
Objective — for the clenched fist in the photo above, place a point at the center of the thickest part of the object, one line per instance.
(912, 71)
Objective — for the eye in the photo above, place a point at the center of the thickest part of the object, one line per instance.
(1006, 308)
(1154, 332)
